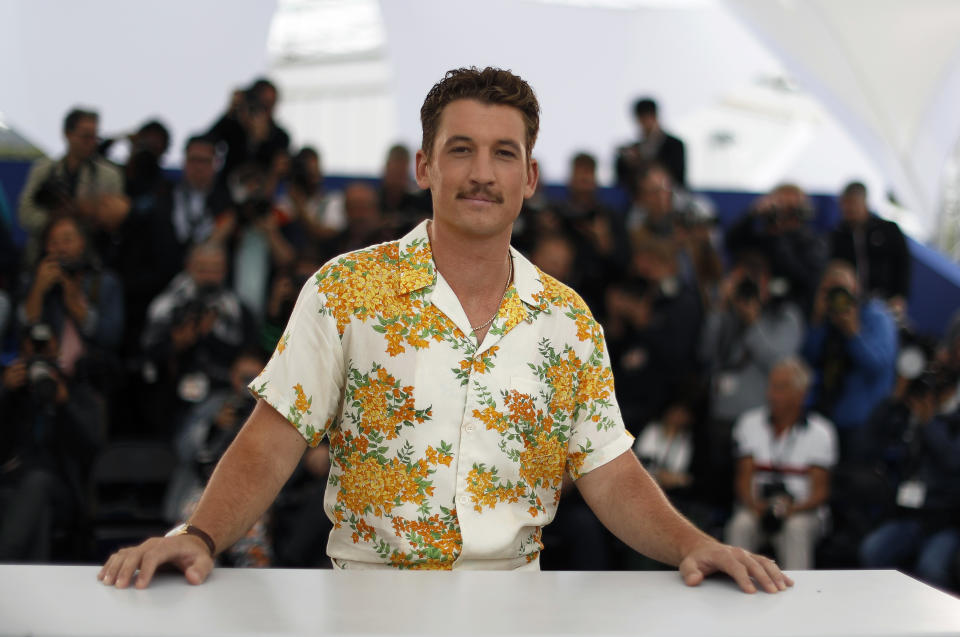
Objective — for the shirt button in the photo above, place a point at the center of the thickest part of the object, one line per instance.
(468, 429)
(463, 499)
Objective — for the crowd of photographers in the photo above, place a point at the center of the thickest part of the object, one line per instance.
(768, 371)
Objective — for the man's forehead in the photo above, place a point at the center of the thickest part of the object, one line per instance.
(477, 120)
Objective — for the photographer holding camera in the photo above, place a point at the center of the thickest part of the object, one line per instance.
(749, 330)
(72, 185)
(776, 226)
(653, 327)
(783, 470)
(52, 428)
(194, 330)
(852, 346)
(82, 302)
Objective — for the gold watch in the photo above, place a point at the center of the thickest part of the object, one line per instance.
(188, 529)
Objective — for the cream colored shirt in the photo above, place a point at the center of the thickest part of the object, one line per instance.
(444, 453)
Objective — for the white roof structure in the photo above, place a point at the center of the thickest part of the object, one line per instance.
(813, 91)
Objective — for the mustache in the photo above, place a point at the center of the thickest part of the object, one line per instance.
(481, 192)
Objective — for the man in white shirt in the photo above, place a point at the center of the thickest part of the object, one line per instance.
(420, 485)
(783, 473)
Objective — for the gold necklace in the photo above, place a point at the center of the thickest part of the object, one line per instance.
(477, 328)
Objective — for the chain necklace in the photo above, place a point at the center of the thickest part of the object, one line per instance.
(477, 328)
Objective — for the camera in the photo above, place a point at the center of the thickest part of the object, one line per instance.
(780, 499)
(839, 300)
(746, 290)
(53, 193)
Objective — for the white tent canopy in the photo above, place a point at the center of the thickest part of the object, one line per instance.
(878, 80)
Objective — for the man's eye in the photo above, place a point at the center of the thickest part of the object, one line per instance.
(506, 153)
(459, 149)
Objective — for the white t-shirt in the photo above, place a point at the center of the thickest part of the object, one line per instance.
(788, 457)
(658, 452)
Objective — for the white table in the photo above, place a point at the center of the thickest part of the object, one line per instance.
(67, 600)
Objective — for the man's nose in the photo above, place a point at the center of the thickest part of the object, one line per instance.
(481, 169)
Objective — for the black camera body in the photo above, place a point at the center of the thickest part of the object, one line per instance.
(779, 498)
(747, 290)
(839, 300)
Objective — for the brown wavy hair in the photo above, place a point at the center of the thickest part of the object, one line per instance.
(488, 86)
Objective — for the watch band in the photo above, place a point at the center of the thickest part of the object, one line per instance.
(189, 529)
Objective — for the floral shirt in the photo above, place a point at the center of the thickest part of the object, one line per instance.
(445, 453)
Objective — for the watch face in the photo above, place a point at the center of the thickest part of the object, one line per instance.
(177, 530)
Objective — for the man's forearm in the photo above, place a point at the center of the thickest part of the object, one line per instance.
(631, 505)
(249, 476)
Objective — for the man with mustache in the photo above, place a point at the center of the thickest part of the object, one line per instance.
(455, 382)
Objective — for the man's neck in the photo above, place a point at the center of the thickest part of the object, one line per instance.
(72, 162)
(473, 266)
(783, 422)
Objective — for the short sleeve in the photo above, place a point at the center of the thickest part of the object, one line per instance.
(598, 434)
(745, 439)
(305, 376)
(823, 452)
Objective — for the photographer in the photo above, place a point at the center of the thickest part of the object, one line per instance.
(750, 330)
(784, 458)
(852, 346)
(206, 432)
(82, 302)
(653, 327)
(776, 226)
(194, 330)
(72, 185)
(52, 427)
(922, 533)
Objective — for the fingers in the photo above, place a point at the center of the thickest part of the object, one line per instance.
(188, 554)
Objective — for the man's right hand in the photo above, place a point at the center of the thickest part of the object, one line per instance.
(49, 273)
(187, 553)
(15, 376)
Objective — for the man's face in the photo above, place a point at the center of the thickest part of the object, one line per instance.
(199, 166)
(360, 206)
(478, 171)
(583, 181)
(656, 194)
(395, 173)
(268, 97)
(208, 268)
(82, 140)
(65, 242)
(647, 123)
(783, 394)
(853, 208)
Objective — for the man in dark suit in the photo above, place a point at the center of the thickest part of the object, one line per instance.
(875, 248)
(656, 145)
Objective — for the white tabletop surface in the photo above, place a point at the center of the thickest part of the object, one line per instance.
(67, 600)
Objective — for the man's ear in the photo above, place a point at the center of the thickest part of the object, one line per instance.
(533, 177)
(422, 161)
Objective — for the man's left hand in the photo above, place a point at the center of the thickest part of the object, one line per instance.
(744, 567)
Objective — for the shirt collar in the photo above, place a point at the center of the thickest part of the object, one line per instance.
(416, 267)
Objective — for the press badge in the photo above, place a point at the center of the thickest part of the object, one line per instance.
(911, 494)
(727, 383)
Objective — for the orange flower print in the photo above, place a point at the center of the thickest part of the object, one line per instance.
(302, 404)
(542, 464)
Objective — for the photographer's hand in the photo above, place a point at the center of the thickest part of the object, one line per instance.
(184, 335)
(75, 299)
(848, 321)
(48, 275)
(15, 376)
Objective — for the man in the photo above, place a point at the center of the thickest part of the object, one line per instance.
(776, 226)
(852, 345)
(655, 145)
(52, 427)
(193, 331)
(71, 185)
(654, 321)
(598, 235)
(197, 201)
(417, 358)
(875, 248)
(402, 204)
(783, 470)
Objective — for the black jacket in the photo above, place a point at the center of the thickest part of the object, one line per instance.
(887, 256)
